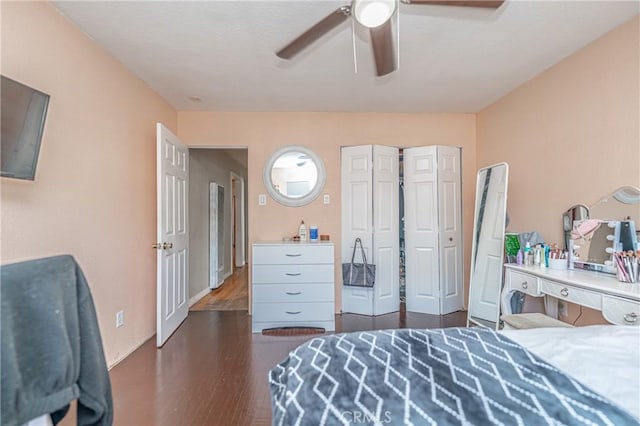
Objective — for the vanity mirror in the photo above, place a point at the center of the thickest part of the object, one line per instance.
(487, 251)
(608, 225)
(294, 176)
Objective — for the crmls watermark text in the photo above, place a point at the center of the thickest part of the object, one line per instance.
(356, 417)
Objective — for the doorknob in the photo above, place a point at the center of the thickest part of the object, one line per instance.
(162, 246)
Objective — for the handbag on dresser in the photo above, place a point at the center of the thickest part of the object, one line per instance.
(358, 274)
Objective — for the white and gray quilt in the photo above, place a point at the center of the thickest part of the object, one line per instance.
(470, 376)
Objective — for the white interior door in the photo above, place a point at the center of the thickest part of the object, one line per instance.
(172, 233)
(357, 219)
(386, 229)
(450, 225)
(422, 265)
(484, 300)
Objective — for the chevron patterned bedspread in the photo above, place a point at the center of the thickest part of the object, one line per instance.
(471, 376)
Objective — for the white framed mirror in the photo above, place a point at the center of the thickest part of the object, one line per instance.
(487, 250)
(294, 176)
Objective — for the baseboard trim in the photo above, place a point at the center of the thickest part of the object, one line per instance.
(199, 296)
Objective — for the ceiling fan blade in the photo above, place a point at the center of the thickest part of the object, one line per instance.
(494, 4)
(382, 43)
(331, 21)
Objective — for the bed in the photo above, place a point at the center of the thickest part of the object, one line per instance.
(584, 375)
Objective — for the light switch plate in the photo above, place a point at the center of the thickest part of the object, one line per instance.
(326, 199)
(262, 199)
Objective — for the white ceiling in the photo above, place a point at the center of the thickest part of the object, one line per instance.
(451, 59)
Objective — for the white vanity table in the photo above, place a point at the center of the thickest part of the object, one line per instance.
(293, 285)
(619, 302)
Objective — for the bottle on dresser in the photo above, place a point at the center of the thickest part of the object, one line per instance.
(302, 231)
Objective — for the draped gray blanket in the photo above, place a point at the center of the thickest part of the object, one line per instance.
(51, 345)
(471, 376)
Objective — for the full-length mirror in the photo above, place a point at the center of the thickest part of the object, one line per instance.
(294, 176)
(487, 251)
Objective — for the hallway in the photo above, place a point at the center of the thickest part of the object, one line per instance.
(232, 295)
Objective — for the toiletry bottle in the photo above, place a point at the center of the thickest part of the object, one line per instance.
(519, 258)
(536, 255)
(302, 231)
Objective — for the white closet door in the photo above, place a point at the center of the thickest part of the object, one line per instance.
(422, 266)
(386, 229)
(357, 219)
(450, 225)
(486, 304)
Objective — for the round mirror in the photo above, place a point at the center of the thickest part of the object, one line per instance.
(294, 176)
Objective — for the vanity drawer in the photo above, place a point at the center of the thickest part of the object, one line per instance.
(293, 293)
(620, 311)
(293, 312)
(292, 254)
(525, 283)
(283, 274)
(573, 294)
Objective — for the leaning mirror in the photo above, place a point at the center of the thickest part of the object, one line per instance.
(487, 251)
(294, 176)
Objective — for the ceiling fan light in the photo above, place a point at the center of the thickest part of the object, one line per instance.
(373, 13)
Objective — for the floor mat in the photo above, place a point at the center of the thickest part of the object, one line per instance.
(292, 331)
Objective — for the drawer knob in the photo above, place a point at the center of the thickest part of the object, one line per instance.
(292, 293)
(293, 255)
(564, 292)
(293, 275)
(525, 284)
(631, 318)
(293, 313)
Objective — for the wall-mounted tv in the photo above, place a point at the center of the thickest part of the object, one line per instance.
(23, 114)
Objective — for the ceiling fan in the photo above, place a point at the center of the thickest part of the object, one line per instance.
(376, 16)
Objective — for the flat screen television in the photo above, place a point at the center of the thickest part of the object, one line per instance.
(24, 110)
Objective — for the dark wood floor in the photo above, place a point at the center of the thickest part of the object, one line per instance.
(213, 370)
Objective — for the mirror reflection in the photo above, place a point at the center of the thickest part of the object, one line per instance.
(488, 245)
(609, 225)
(294, 176)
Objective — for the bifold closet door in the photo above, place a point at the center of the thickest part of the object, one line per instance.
(370, 197)
(433, 235)
(386, 229)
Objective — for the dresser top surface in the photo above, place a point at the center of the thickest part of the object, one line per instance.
(596, 281)
(293, 243)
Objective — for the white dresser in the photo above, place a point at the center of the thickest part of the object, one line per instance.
(293, 285)
(619, 302)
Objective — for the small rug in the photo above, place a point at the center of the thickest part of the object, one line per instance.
(292, 331)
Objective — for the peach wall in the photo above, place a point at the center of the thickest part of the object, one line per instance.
(94, 194)
(325, 133)
(570, 135)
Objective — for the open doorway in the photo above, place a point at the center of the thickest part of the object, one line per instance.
(217, 229)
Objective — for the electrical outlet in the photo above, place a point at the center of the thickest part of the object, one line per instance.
(562, 309)
(119, 319)
(262, 199)
(326, 199)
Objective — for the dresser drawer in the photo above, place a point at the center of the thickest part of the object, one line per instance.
(572, 294)
(282, 274)
(525, 283)
(293, 293)
(287, 254)
(620, 311)
(293, 312)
